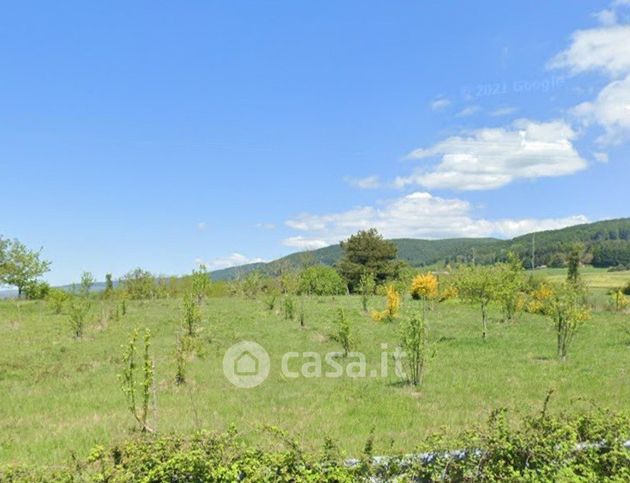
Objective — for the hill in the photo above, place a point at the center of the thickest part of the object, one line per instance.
(606, 243)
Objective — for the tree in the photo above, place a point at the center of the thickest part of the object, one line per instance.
(342, 336)
(479, 284)
(200, 283)
(140, 284)
(87, 281)
(573, 263)
(321, 280)
(20, 266)
(567, 310)
(366, 288)
(367, 251)
(511, 285)
(109, 285)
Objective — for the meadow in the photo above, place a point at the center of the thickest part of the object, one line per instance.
(61, 396)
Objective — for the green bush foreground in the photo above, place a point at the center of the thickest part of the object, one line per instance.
(589, 447)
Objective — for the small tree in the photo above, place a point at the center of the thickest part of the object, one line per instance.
(510, 287)
(414, 341)
(77, 312)
(342, 334)
(200, 283)
(289, 307)
(321, 280)
(19, 265)
(128, 380)
(367, 285)
(192, 315)
(140, 284)
(573, 264)
(479, 285)
(567, 310)
(109, 286)
(182, 354)
(56, 298)
(87, 281)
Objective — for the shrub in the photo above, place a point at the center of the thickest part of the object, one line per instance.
(393, 302)
(140, 285)
(36, 290)
(56, 298)
(78, 311)
(321, 280)
(424, 287)
(618, 300)
(567, 447)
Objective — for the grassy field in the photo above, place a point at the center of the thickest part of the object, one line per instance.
(595, 278)
(62, 396)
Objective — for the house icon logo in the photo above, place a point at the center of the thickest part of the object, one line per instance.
(246, 364)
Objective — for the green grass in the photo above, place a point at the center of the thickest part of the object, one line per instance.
(61, 396)
(595, 278)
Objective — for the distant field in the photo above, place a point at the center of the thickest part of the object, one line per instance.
(61, 395)
(599, 278)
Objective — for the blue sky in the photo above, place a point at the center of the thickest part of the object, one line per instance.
(161, 134)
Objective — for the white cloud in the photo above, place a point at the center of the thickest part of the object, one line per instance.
(503, 111)
(607, 17)
(417, 215)
(468, 111)
(611, 109)
(304, 243)
(601, 157)
(201, 226)
(233, 260)
(493, 157)
(440, 103)
(601, 49)
(266, 226)
(369, 182)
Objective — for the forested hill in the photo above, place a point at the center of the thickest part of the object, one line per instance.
(607, 243)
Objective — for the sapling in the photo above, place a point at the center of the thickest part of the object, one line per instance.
(128, 379)
(342, 334)
(78, 311)
(567, 310)
(366, 288)
(289, 307)
(192, 315)
(414, 341)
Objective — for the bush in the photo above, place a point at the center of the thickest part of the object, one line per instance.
(321, 280)
(36, 290)
(586, 447)
(424, 286)
(140, 285)
(56, 298)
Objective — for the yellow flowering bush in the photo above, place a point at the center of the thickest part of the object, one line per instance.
(538, 298)
(393, 305)
(424, 286)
